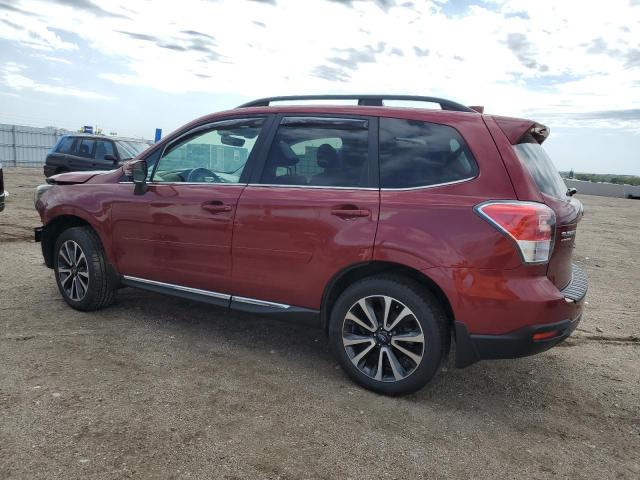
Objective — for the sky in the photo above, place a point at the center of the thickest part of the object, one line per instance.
(136, 65)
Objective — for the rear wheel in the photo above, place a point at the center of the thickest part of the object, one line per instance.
(83, 274)
(389, 334)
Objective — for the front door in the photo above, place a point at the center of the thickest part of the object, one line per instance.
(104, 148)
(179, 231)
(312, 212)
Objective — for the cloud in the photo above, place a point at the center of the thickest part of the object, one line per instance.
(11, 76)
(194, 41)
(332, 74)
(12, 8)
(633, 58)
(351, 57)
(43, 39)
(508, 55)
(87, 6)
(522, 15)
(421, 52)
(523, 49)
(383, 4)
(625, 120)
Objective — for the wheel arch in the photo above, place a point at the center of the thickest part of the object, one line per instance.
(54, 228)
(362, 270)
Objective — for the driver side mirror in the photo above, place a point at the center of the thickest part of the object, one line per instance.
(139, 172)
(110, 158)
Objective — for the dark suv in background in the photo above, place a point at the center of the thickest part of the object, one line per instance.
(395, 229)
(91, 152)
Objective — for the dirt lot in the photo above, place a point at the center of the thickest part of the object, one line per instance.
(161, 387)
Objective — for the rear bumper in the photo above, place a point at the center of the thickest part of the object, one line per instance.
(529, 339)
(521, 343)
(49, 170)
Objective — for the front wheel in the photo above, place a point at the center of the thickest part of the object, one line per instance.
(84, 277)
(389, 334)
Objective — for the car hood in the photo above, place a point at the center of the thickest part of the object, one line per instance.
(74, 177)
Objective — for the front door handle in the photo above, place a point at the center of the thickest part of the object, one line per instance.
(350, 211)
(216, 206)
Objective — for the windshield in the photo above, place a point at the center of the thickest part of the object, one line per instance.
(542, 169)
(130, 148)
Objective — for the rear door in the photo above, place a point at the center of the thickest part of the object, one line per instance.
(81, 157)
(311, 211)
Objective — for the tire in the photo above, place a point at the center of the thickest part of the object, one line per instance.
(95, 280)
(411, 364)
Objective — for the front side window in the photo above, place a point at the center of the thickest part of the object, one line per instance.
(103, 147)
(85, 148)
(319, 152)
(419, 154)
(213, 155)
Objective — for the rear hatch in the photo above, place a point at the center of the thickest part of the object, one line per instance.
(555, 194)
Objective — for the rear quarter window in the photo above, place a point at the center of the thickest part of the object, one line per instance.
(421, 154)
(64, 145)
(541, 168)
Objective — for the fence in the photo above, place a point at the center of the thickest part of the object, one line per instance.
(22, 146)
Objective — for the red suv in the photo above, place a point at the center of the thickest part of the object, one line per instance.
(396, 229)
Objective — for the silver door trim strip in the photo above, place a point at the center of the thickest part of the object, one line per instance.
(208, 293)
(424, 187)
(261, 303)
(222, 296)
(207, 184)
(317, 187)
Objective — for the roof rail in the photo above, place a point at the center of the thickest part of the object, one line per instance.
(367, 100)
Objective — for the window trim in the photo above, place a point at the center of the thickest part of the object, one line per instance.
(324, 118)
(434, 185)
(211, 125)
(325, 122)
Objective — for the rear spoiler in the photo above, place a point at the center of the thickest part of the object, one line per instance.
(516, 129)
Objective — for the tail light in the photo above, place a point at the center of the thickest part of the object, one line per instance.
(530, 225)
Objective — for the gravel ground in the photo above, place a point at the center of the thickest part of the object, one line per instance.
(157, 387)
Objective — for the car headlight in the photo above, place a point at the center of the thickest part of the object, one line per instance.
(39, 191)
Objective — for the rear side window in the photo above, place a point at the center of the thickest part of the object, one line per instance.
(64, 145)
(319, 152)
(541, 168)
(420, 154)
(85, 148)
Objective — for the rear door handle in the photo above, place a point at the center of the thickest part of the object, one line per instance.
(350, 212)
(216, 206)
